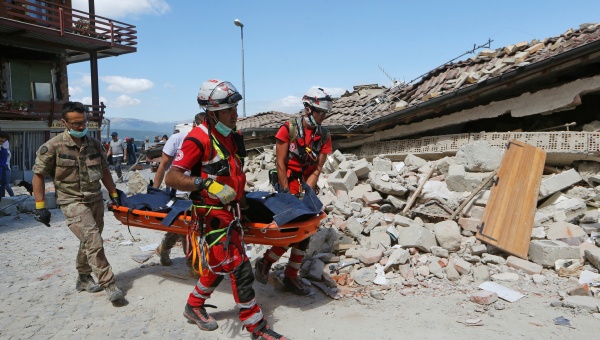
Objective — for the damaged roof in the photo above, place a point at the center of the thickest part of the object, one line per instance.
(362, 107)
(369, 108)
(265, 121)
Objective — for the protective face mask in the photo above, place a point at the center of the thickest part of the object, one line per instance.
(78, 134)
(224, 130)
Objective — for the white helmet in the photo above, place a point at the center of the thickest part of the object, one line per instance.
(215, 95)
(317, 98)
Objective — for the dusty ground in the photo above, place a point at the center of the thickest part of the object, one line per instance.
(39, 301)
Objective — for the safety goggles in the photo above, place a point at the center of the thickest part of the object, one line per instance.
(232, 95)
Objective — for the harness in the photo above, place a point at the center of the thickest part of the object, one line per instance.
(202, 241)
(217, 166)
(307, 155)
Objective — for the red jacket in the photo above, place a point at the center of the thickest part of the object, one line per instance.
(219, 158)
(298, 161)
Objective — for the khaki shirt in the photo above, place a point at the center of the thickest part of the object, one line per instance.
(76, 171)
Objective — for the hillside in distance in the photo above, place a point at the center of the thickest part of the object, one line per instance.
(140, 125)
(138, 129)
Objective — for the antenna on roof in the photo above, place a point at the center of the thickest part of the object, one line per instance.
(487, 44)
(366, 111)
(392, 79)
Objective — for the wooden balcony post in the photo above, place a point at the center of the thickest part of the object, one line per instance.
(112, 34)
(61, 21)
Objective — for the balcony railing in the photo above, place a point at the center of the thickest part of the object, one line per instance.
(43, 110)
(69, 20)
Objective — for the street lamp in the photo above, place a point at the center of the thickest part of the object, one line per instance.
(241, 26)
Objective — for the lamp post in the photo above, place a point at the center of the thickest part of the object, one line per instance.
(241, 26)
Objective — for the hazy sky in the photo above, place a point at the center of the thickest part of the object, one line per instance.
(290, 46)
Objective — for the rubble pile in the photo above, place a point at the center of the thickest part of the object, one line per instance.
(389, 228)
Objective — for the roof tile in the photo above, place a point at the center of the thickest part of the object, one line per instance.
(454, 76)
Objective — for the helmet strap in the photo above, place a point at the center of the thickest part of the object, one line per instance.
(310, 120)
(215, 117)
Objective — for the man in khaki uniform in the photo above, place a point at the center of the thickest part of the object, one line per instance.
(77, 163)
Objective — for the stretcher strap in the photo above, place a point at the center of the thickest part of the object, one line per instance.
(128, 227)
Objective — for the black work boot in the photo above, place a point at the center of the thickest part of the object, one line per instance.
(200, 317)
(296, 286)
(266, 333)
(86, 282)
(113, 292)
(164, 254)
(261, 270)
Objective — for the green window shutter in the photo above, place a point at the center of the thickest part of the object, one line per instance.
(19, 81)
(24, 75)
(40, 73)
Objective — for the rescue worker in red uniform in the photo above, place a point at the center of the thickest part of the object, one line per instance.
(213, 153)
(302, 146)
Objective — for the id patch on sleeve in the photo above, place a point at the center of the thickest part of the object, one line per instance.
(43, 150)
(179, 155)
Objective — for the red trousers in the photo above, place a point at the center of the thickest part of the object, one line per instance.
(230, 258)
(298, 249)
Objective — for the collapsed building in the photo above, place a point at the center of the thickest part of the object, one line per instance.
(391, 225)
(407, 189)
(525, 91)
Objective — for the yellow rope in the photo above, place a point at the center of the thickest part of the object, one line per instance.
(196, 251)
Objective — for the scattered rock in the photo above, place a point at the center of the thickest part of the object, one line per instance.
(484, 297)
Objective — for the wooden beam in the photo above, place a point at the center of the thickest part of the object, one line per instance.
(465, 202)
(418, 191)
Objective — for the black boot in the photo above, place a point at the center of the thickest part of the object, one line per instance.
(296, 286)
(113, 292)
(266, 333)
(200, 317)
(262, 267)
(164, 254)
(86, 282)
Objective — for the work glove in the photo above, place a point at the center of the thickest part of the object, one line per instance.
(223, 192)
(115, 199)
(43, 215)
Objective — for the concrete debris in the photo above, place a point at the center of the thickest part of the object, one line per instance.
(586, 303)
(547, 252)
(524, 265)
(447, 234)
(593, 256)
(370, 234)
(479, 157)
(558, 182)
(505, 277)
(484, 297)
(136, 183)
(364, 201)
(416, 237)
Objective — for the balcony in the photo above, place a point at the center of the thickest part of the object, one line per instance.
(40, 110)
(55, 28)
